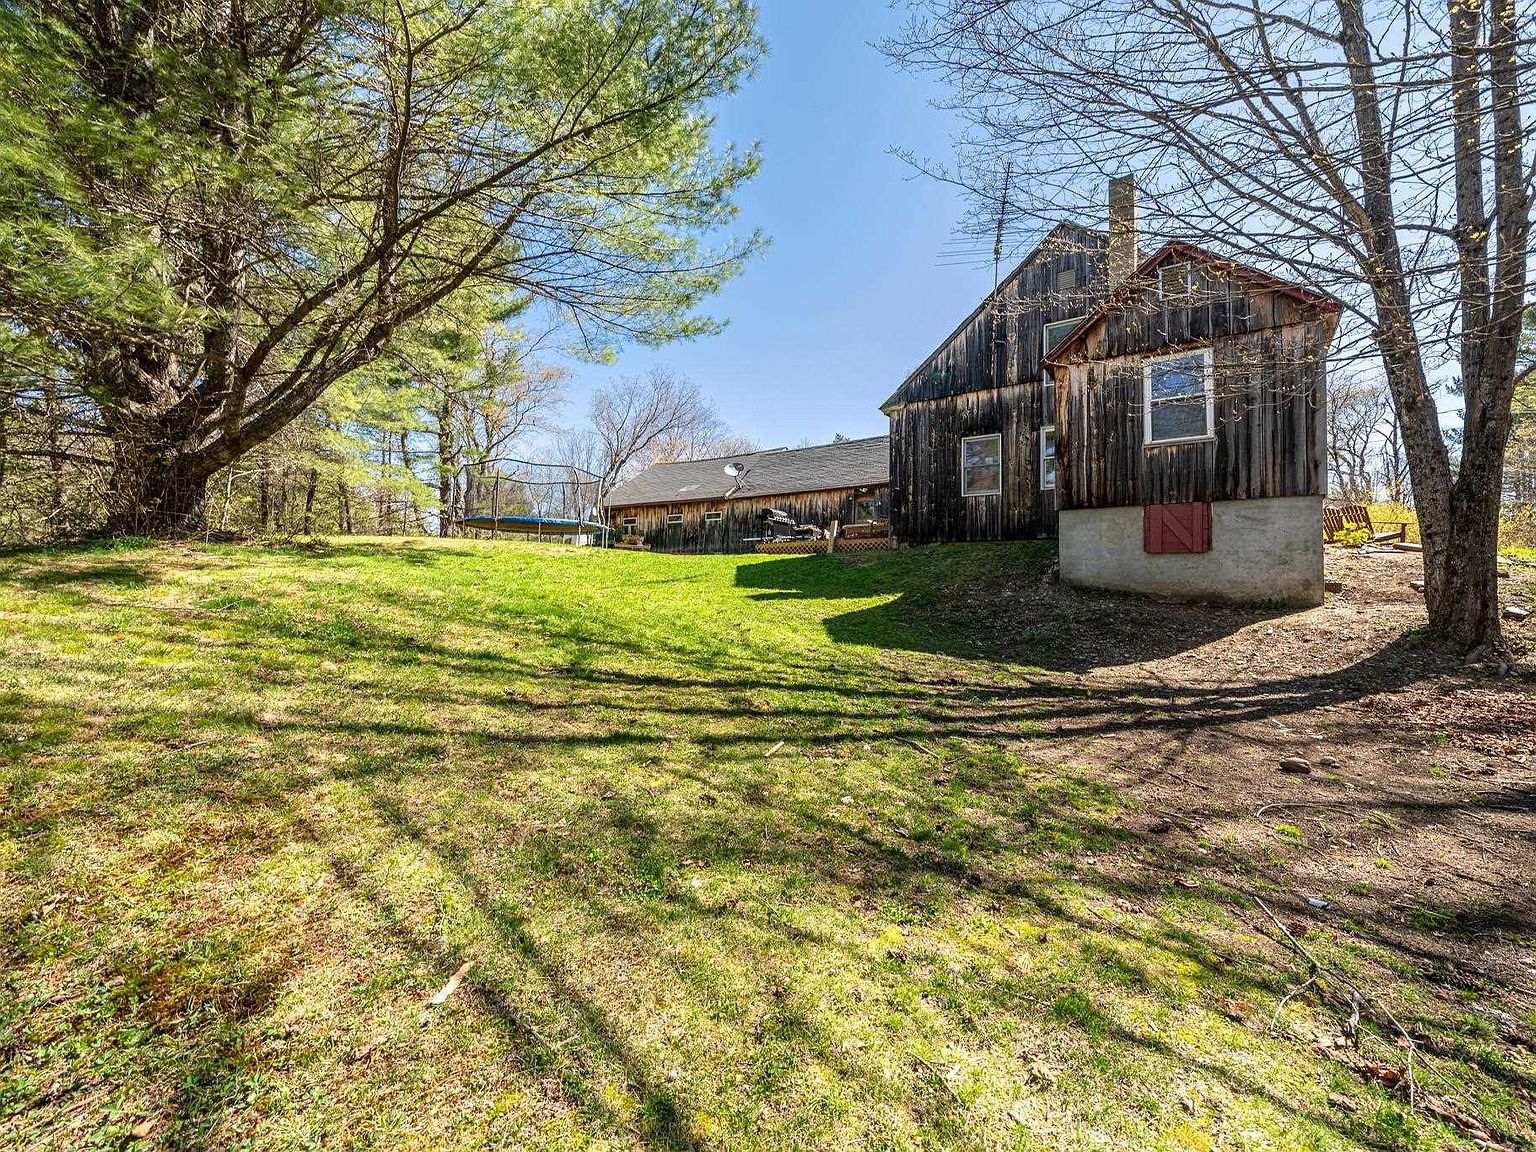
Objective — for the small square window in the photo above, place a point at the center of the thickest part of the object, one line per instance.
(1056, 332)
(1180, 283)
(1178, 398)
(1066, 279)
(1047, 458)
(674, 517)
(981, 465)
(869, 508)
(713, 517)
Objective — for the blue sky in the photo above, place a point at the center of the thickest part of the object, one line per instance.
(854, 290)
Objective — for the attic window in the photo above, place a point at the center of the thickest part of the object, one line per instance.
(713, 517)
(1178, 281)
(1056, 332)
(1066, 279)
(674, 517)
(1179, 399)
(981, 465)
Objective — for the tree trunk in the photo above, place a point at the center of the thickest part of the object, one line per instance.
(1468, 619)
(155, 497)
(383, 488)
(309, 500)
(447, 471)
(408, 511)
(344, 497)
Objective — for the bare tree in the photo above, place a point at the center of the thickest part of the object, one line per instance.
(1380, 152)
(482, 409)
(1357, 413)
(647, 420)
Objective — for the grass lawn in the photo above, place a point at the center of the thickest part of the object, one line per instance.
(731, 852)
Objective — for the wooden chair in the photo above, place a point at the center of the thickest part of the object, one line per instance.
(1339, 521)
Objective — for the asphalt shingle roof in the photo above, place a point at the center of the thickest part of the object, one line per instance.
(777, 472)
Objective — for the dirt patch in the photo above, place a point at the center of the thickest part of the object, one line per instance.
(1382, 796)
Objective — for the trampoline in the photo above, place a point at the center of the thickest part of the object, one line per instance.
(537, 525)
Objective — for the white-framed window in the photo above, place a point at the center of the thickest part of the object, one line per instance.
(674, 517)
(1048, 400)
(1047, 457)
(981, 465)
(713, 517)
(628, 522)
(1178, 398)
(1179, 282)
(1056, 331)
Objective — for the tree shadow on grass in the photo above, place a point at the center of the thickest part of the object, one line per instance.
(108, 574)
(995, 602)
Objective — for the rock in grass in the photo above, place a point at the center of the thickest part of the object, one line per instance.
(1296, 765)
(1416, 585)
(1516, 612)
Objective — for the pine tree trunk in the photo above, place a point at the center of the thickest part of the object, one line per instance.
(155, 497)
(447, 468)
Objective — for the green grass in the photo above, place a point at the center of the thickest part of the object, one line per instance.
(740, 852)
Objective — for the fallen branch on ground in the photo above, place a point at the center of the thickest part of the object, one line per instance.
(1440, 1108)
(923, 748)
(1281, 804)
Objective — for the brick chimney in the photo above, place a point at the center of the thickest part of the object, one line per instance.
(1123, 257)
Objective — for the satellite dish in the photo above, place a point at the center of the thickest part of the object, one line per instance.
(734, 469)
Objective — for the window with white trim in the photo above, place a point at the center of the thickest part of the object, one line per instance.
(713, 517)
(1179, 398)
(628, 522)
(1180, 282)
(674, 517)
(1056, 331)
(1047, 457)
(981, 465)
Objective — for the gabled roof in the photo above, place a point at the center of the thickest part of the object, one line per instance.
(777, 472)
(1070, 227)
(1138, 282)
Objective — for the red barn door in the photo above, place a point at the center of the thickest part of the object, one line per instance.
(1169, 528)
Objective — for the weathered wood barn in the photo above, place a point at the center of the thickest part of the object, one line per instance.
(717, 505)
(1191, 431)
(972, 451)
(1163, 416)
